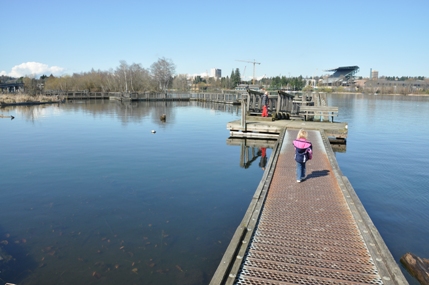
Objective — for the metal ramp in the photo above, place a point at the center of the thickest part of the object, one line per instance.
(313, 232)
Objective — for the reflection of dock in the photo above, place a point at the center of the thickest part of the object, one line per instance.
(251, 149)
(252, 142)
(313, 232)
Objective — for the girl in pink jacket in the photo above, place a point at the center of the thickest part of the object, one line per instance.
(303, 152)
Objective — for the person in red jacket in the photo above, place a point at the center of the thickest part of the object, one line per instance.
(264, 103)
(303, 153)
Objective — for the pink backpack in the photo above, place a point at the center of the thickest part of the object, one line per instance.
(309, 153)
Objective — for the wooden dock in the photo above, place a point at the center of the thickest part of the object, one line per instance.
(258, 127)
(313, 232)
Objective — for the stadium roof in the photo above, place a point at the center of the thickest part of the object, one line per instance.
(341, 74)
(344, 71)
(344, 68)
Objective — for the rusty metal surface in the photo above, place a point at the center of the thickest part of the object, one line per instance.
(306, 233)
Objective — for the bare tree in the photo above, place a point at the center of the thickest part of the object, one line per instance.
(52, 83)
(121, 72)
(112, 81)
(139, 78)
(31, 85)
(180, 82)
(162, 72)
(101, 80)
(124, 78)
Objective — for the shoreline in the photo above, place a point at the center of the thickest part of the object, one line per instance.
(25, 99)
(2, 104)
(5, 100)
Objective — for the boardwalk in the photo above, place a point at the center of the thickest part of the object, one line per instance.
(313, 232)
(233, 98)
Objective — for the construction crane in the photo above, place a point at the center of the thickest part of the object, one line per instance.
(254, 62)
(244, 72)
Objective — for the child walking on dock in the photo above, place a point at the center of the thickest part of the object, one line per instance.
(303, 153)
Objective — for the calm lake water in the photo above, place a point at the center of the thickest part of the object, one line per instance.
(89, 195)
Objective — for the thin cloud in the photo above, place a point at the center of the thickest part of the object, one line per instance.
(33, 69)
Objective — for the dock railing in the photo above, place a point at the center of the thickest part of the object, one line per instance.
(319, 113)
(281, 104)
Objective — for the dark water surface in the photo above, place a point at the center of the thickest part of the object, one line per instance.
(89, 195)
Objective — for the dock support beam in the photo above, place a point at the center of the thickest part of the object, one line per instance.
(244, 112)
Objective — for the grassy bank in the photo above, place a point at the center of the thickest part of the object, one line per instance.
(24, 98)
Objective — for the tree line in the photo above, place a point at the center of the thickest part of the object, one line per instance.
(125, 78)
(159, 77)
(402, 78)
(230, 82)
(292, 83)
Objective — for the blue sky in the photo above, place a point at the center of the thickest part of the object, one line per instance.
(288, 38)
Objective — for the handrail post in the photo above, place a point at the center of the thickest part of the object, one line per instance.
(244, 111)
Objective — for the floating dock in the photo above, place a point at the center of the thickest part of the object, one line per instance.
(258, 127)
(313, 232)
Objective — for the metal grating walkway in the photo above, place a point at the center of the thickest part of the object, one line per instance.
(306, 233)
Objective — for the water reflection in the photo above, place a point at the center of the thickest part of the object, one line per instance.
(228, 108)
(127, 112)
(32, 113)
(252, 149)
(342, 148)
(263, 160)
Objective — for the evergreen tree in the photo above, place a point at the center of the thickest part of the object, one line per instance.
(235, 78)
(232, 79)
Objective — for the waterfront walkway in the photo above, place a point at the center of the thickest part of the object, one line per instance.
(313, 232)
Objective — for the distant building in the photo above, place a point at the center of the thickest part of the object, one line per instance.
(374, 75)
(342, 76)
(10, 85)
(216, 73)
(395, 87)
